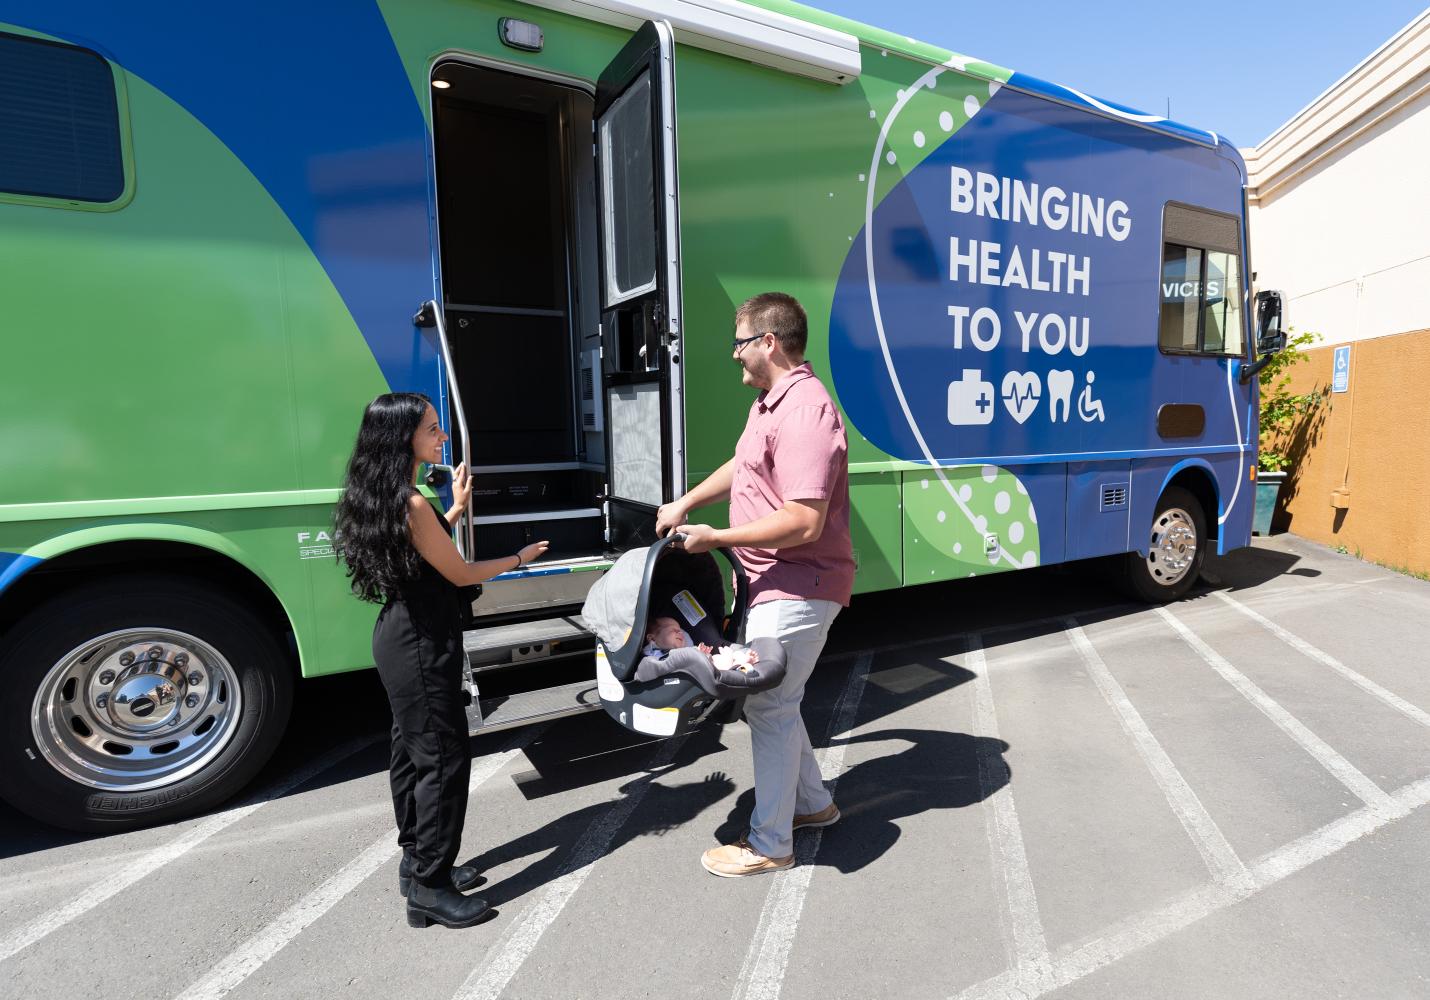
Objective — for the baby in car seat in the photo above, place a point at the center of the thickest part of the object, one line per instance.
(665, 634)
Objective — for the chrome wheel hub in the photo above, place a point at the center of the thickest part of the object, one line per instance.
(136, 709)
(1173, 547)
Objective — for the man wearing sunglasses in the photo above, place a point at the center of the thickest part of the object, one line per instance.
(788, 487)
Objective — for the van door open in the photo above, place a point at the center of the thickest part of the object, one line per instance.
(639, 243)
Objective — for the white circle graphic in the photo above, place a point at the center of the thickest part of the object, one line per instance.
(945, 121)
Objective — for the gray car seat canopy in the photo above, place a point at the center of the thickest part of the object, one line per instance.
(663, 580)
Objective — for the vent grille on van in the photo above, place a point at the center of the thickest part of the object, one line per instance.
(591, 391)
(1114, 496)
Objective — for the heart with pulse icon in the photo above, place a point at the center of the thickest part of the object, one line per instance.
(1021, 392)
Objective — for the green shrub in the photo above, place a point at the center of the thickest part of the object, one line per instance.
(1280, 407)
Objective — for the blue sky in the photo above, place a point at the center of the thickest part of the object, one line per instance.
(1241, 69)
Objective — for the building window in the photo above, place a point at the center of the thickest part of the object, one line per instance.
(1201, 283)
(59, 123)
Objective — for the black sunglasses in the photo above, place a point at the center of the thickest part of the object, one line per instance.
(740, 342)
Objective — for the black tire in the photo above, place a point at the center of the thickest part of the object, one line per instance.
(1155, 578)
(250, 663)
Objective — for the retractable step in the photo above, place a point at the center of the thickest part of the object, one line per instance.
(529, 670)
(509, 711)
(496, 647)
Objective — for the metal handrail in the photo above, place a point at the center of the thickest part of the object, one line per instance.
(431, 315)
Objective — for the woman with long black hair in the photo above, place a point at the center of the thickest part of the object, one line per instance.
(399, 554)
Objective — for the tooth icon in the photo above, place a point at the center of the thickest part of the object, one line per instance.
(1060, 386)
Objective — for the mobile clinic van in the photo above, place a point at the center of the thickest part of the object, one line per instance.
(227, 229)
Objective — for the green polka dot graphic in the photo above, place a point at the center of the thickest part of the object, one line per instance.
(982, 521)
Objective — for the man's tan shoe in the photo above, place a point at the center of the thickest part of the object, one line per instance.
(827, 816)
(735, 860)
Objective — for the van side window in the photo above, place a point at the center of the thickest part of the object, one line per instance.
(59, 122)
(1201, 283)
(628, 194)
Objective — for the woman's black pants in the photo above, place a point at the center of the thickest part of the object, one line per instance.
(431, 760)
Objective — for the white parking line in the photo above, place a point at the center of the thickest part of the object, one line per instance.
(250, 956)
(1341, 769)
(488, 981)
(152, 861)
(1320, 656)
(763, 971)
(1138, 932)
(1028, 947)
(1029, 624)
(1226, 868)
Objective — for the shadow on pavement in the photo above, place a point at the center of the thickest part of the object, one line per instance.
(591, 749)
(662, 809)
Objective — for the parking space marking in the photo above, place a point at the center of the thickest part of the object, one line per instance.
(251, 956)
(1023, 924)
(1225, 867)
(1320, 656)
(516, 944)
(152, 861)
(1341, 769)
(1148, 928)
(1022, 626)
(762, 974)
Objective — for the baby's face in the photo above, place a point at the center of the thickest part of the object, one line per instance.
(665, 633)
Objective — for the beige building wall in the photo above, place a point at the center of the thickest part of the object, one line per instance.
(1339, 217)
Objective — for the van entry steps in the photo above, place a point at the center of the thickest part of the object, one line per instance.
(509, 711)
(498, 646)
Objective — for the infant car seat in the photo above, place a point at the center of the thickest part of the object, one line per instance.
(663, 696)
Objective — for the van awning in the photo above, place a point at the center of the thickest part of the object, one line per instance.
(735, 29)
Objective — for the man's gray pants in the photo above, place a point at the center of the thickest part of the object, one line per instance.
(787, 779)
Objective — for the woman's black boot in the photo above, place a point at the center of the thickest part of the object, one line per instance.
(430, 905)
(464, 877)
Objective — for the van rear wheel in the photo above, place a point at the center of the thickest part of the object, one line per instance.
(138, 701)
(1176, 549)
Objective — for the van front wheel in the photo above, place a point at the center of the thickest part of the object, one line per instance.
(137, 701)
(1176, 549)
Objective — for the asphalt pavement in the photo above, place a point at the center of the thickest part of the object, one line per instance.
(1046, 791)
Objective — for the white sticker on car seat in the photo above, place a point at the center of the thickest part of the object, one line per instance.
(654, 721)
(607, 686)
(689, 607)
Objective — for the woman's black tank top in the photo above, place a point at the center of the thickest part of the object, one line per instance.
(432, 601)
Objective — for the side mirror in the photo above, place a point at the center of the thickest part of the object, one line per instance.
(1270, 336)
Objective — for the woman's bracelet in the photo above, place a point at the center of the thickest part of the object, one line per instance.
(518, 562)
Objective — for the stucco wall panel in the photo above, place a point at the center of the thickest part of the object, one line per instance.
(1346, 240)
(1375, 440)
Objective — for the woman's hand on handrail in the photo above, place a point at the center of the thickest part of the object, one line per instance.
(461, 494)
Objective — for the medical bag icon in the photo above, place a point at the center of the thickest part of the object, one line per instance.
(970, 399)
